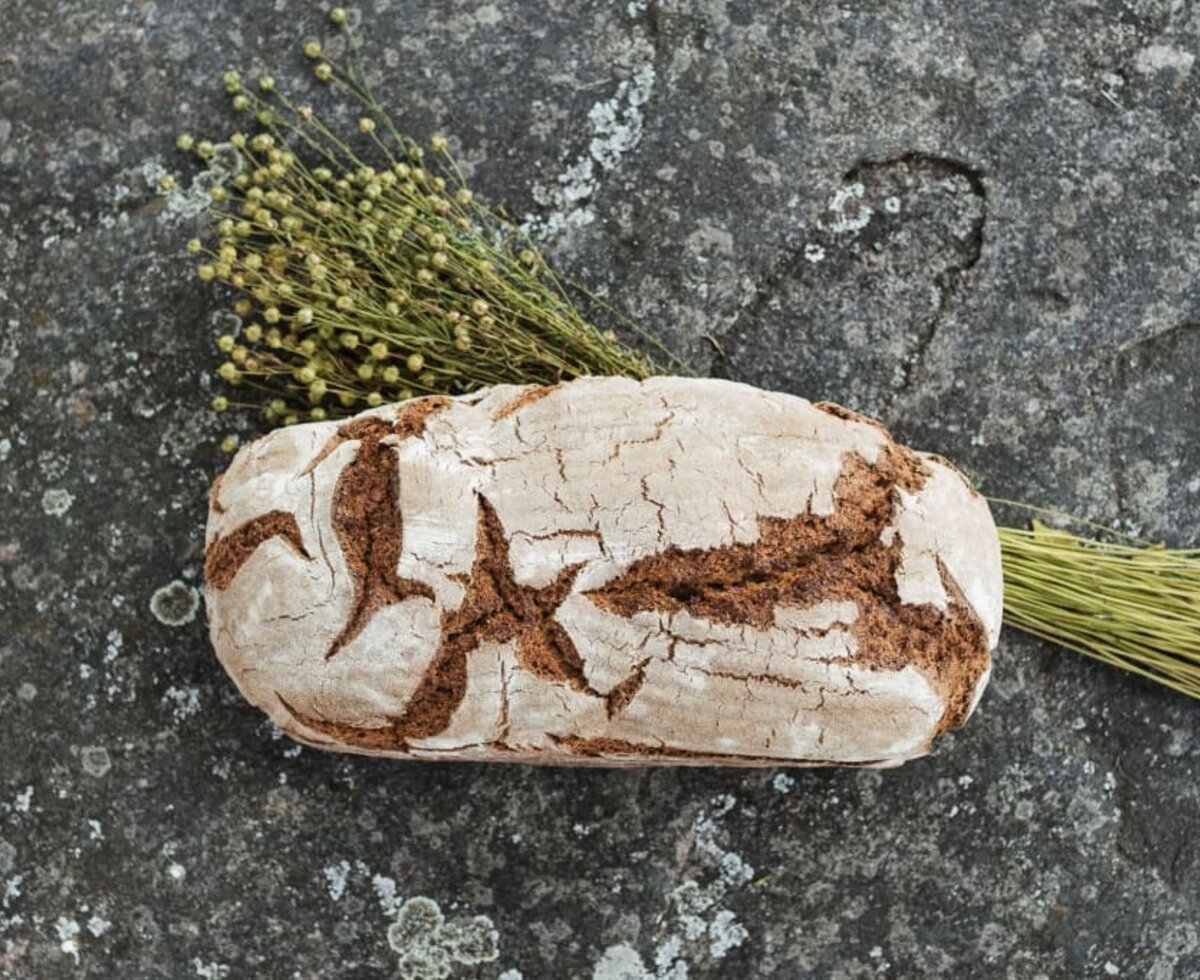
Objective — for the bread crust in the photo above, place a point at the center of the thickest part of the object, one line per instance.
(604, 572)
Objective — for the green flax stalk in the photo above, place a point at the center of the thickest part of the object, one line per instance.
(1125, 602)
(367, 272)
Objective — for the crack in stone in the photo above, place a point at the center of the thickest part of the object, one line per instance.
(949, 278)
(1112, 453)
(791, 263)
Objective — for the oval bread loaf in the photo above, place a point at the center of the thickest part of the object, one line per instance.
(606, 572)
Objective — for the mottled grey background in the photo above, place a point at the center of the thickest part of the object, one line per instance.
(977, 221)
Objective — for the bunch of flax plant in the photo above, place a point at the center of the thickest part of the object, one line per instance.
(369, 273)
(1123, 601)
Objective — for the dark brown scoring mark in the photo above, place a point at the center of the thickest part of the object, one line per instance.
(366, 520)
(848, 415)
(226, 555)
(412, 415)
(527, 397)
(808, 559)
(496, 609)
(342, 733)
(794, 561)
(618, 698)
(408, 421)
(214, 495)
(616, 748)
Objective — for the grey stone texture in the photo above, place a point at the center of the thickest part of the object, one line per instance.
(975, 221)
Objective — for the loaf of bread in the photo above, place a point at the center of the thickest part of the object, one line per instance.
(605, 572)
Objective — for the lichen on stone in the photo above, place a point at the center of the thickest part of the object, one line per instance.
(430, 947)
(175, 604)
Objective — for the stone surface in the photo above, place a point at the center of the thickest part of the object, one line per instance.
(976, 221)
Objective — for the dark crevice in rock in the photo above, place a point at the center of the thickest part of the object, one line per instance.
(932, 167)
(944, 198)
(1111, 376)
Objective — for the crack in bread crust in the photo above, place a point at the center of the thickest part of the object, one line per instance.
(616, 748)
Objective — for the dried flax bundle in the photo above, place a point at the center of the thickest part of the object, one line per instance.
(1127, 603)
(370, 274)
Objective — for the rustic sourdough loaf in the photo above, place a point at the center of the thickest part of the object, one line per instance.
(606, 572)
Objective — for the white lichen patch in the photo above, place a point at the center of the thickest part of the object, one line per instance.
(430, 946)
(112, 645)
(95, 760)
(186, 204)
(697, 927)
(846, 211)
(335, 879)
(616, 127)
(385, 891)
(1156, 57)
(617, 124)
(621, 962)
(175, 604)
(97, 925)
(67, 931)
(183, 702)
(23, 800)
(724, 934)
(57, 501)
(12, 890)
